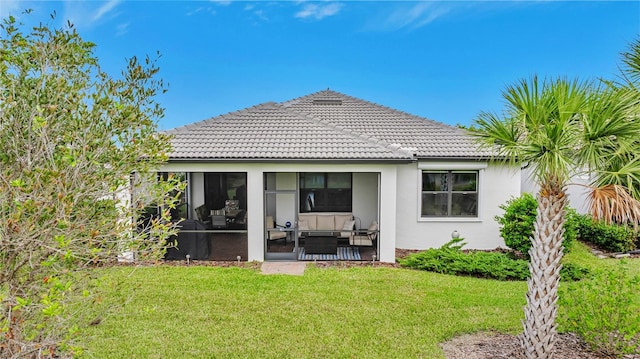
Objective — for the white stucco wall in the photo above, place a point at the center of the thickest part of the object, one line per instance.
(365, 198)
(396, 206)
(197, 193)
(285, 202)
(496, 185)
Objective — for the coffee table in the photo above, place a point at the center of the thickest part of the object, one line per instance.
(321, 245)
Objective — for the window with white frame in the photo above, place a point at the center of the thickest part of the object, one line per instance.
(449, 194)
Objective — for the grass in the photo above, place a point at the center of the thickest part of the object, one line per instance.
(581, 255)
(360, 312)
(209, 312)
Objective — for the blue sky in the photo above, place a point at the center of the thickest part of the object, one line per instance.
(444, 60)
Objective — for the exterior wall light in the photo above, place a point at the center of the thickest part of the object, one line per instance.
(455, 234)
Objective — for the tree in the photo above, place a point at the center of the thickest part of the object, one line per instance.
(71, 136)
(559, 128)
(615, 196)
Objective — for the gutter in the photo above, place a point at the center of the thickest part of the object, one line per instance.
(289, 160)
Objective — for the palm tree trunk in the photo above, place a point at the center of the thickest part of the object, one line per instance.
(539, 334)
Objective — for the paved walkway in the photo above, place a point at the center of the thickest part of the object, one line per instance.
(291, 268)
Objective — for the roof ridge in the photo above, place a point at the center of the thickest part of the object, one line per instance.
(296, 99)
(363, 136)
(217, 118)
(414, 117)
(387, 108)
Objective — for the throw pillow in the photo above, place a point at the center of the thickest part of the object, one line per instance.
(348, 225)
(373, 227)
(303, 225)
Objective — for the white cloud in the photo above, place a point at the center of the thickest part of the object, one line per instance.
(416, 16)
(221, 2)
(90, 14)
(122, 29)
(208, 10)
(261, 15)
(105, 9)
(318, 12)
(10, 7)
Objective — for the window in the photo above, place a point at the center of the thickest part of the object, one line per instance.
(222, 186)
(325, 192)
(449, 194)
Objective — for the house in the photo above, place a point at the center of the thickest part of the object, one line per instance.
(261, 172)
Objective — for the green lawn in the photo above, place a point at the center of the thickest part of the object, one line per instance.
(364, 312)
(209, 312)
(580, 254)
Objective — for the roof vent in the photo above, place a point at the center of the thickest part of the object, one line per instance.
(327, 101)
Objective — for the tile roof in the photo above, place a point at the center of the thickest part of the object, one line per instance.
(325, 125)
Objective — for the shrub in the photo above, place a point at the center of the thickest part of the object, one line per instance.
(573, 272)
(605, 311)
(518, 220)
(517, 223)
(609, 237)
(450, 259)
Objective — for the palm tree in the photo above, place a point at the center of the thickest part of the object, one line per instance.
(558, 128)
(616, 195)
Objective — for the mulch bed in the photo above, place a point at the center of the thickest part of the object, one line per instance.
(505, 346)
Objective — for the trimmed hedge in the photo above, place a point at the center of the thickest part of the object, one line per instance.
(450, 259)
(608, 237)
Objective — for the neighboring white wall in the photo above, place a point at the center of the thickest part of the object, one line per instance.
(577, 191)
(365, 198)
(497, 184)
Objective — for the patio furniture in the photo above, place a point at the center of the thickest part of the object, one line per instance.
(218, 218)
(321, 245)
(339, 225)
(239, 221)
(231, 208)
(203, 216)
(271, 233)
(195, 244)
(366, 238)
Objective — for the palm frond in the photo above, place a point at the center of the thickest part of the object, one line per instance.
(623, 171)
(503, 137)
(631, 60)
(609, 127)
(613, 203)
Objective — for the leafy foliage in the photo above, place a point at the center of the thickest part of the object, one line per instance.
(450, 259)
(561, 128)
(605, 311)
(609, 237)
(70, 138)
(518, 219)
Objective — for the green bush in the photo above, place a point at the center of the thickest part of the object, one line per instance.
(609, 237)
(573, 272)
(450, 259)
(604, 311)
(517, 224)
